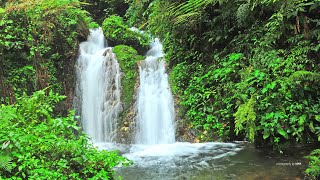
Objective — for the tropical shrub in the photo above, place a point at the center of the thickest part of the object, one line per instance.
(38, 45)
(5, 159)
(44, 146)
(313, 170)
(101, 9)
(208, 97)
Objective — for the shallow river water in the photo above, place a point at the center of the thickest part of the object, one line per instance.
(208, 161)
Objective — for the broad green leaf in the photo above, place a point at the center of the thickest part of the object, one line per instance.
(29, 67)
(2, 11)
(311, 127)
(302, 119)
(266, 135)
(264, 90)
(283, 133)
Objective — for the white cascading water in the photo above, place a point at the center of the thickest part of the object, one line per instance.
(155, 121)
(98, 88)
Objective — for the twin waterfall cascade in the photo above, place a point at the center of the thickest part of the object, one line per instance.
(98, 88)
(98, 93)
(155, 153)
(155, 123)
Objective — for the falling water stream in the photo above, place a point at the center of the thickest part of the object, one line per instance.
(98, 88)
(155, 123)
(155, 154)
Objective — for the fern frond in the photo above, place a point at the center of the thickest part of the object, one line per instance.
(187, 17)
(188, 11)
(5, 163)
(246, 115)
(305, 76)
(242, 14)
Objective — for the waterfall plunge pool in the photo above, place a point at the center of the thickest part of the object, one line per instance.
(208, 161)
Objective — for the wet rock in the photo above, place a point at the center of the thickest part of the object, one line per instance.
(127, 123)
(184, 131)
(124, 129)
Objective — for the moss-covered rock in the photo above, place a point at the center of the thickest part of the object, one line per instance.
(117, 32)
(128, 59)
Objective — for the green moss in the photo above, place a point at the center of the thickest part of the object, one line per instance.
(128, 59)
(117, 32)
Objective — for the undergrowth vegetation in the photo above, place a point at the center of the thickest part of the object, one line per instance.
(101, 9)
(44, 146)
(38, 46)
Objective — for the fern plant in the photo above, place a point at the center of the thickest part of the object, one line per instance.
(5, 160)
(242, 13)
(190, 11)
(246, 115)
(305, 76)
(313, 171)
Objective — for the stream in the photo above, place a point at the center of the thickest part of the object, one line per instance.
(208, 161)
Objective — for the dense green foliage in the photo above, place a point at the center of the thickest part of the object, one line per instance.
(117, 33)
(314, 166)
(44, 146)
(38, 46)
(5, 158)
(101, 9)
(128, 59)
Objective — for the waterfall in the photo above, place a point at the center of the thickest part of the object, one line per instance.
(98, 88)
(155, 121)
